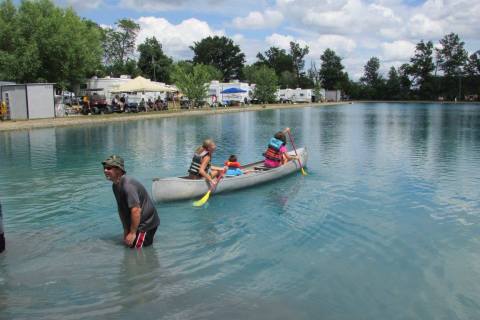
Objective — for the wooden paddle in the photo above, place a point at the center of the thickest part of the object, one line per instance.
(204, 199)
(295, 149)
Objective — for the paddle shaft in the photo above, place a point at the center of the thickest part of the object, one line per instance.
(294, 149)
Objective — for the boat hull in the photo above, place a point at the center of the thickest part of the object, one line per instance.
(180, 188)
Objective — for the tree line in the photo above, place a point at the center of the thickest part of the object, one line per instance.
(40, 42)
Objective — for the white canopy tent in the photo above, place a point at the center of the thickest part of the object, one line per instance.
(140, 84)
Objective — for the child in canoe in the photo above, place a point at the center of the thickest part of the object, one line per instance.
(276, 153)
(201, 163)
(233, 167)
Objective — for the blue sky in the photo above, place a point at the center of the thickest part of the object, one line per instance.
(355, 29)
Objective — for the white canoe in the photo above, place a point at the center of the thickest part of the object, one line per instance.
(181, 188)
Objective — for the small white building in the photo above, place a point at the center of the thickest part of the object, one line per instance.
(333, 95)
(29, 101)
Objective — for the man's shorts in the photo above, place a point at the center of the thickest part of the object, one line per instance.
(144, 238)
(2, 242)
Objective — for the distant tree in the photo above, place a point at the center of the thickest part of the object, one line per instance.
(452, 56)
(42, 42)
(305, 82)
(222, 53)
(354, 90)
(373, 81)
(298, 58)
(276, 59)
(331, 70)
(265, 81)
(421, 68)
(153, 63)
(120, 41)
(393, 88)
(371, 75)
(451, 59)
(287, 80)
(314, 74)
(317, 92)
(405, 82)
(193, 80)
(472, 68)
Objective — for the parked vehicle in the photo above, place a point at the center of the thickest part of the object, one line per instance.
(94, 103)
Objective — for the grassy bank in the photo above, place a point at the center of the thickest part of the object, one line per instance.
(116, 117)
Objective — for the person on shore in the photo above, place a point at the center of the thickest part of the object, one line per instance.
(137, 212)
(2, 235)
(233, 167)
(201, 163)
(3, 110)
(276, 153)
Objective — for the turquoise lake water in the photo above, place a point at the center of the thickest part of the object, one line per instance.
(385, 226)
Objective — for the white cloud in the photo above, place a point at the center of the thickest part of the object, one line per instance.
(399, 50)
(422, 26)
(259, 20)
(82, 4)
(340, 44)
(175, 38)
(283, 41)
(317, 45)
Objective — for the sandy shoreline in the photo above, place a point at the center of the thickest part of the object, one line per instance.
(99, 119)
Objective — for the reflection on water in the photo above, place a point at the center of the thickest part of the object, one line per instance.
(385, 226)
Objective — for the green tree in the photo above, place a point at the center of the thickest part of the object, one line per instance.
(287, 80)
(472, 68)
(276, 59)
(372, 79)
(193, 80)
(298, 59)
(421, 69)
(265, 80)
(331, 70)
(120, 41)
(222, 53)
(280, 61)
(119, 47)
(405, 82)
(153, 63)
(42, 42)
(392, 86)
(452, 56)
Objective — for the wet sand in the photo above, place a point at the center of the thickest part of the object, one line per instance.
(78, 120)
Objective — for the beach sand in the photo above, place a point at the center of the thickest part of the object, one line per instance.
(99, 119)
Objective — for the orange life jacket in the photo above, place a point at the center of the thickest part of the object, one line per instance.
(232, 164)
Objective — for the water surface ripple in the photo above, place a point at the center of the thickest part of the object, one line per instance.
(385, 226)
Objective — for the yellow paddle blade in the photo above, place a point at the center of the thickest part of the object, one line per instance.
(202, 201)
(304, 172)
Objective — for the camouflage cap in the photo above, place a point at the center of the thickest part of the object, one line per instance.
(115, 161)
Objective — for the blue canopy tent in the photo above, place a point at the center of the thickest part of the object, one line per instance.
(233, 90)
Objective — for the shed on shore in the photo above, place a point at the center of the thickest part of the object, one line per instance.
(28, 101)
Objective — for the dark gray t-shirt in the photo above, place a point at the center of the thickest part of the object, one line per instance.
(130, 193)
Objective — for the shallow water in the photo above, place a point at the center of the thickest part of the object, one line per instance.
(385, 226)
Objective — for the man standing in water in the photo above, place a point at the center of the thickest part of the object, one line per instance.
(135, 207)
(2, 237)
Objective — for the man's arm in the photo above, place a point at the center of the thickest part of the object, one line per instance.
(135, 214)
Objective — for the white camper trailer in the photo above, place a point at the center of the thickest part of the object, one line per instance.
(284, 95)
(302, 95)
(297, 95)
